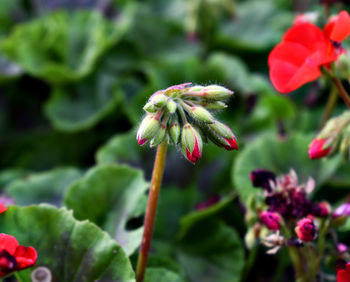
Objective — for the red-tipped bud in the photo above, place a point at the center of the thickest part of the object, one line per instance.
(148, 129)
(191, 143)
(306, 230)
(317, 148)
(222, 135)
(271, 220)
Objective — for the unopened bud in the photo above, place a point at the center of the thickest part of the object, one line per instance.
(319, 148)
(211, 92)
(148, 129)
(345, 143)
(159, 100)
(191, 143)
(200, 114)
(150, 108)
(174, 132)
(222, 135)
(306, 230)
(171, 107)
(271, 220)
(159, 137)
(342, 210)
(214, 105)
(322, 209)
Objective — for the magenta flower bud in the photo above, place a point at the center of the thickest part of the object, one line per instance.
(262, 178)
(322, 209)
(191, 143)
(317, 148)
(342, 210)
(271, 220)
(306, 229)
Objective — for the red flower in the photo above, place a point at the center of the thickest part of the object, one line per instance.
(297, 59)
(338, 27)
(271, 220)
(343, 275)
(317, 150)
(306, 229)
(3, 208)
(14, 257)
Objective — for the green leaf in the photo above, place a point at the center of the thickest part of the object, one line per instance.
(279, 156)
(211, 251)
(122, 148)
(193, 217)
(63, 46)
(111, 195)
(159, 274)
(72, 250)
(77, 107)
(46, 187)
(258, 25)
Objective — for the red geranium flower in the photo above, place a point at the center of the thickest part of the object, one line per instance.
(338, 27)
(14, 257)
(297, 59)
(303, 50)
(343, 275)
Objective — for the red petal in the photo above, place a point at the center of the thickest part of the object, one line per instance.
(316, 150)
(25, 257)
(8, 243)
(338, 28)
(291, 66)
(232, 144)
(312, 38)
(3, 208)
(343, 275)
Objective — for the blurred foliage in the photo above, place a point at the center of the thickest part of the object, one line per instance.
(74, 76)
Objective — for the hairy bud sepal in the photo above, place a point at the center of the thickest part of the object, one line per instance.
(191, 143)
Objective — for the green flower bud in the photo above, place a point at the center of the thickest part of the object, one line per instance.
(200, 114)
(147, 129)
(191, 143)
(214, 105)
(159, 137)
(150, 108)
(158, 100)
(210, 92)
(345, 143)
(174, 132)
(171, 106)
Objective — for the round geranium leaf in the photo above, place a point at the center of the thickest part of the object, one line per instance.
(113, 197)
(71, 250)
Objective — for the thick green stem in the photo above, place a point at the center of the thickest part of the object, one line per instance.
(156, 182)
(332, 101)
(297, 262)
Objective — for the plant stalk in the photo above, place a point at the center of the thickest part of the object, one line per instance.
(332, 101)
(342, 92)
(151, 209)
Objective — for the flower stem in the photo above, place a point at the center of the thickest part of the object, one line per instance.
(342, 92)
(156, 181)
(332, 100)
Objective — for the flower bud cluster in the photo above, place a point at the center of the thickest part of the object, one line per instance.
(334, 135)
(287, 207)
(182, 115)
